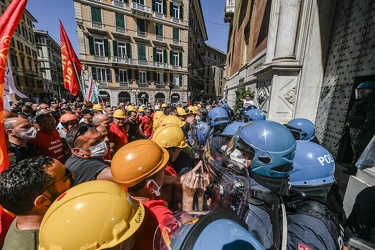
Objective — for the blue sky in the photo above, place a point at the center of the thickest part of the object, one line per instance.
(48, 13)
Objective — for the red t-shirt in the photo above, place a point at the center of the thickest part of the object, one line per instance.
(146, 125)
(163, 214)
(118, 136)
(49, 144)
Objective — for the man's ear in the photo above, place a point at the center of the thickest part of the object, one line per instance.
(9, 132)
(77, 152)
(42, 201)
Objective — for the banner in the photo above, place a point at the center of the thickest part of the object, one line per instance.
(8, 24)
(89, 92)
(70, 62)
(9, 86)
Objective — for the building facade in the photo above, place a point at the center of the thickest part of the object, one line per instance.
(303, 58)
(24, 60)
(49, 58)
(214, 73)
(136, 51)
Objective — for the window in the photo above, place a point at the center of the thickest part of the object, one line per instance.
(123, 76)
(175, 11)
(142, 52)
(142, 77)
(121, 48)
(159, 29)
(20, 46)
(28, 50)
(99, 47)
(96, 15)
(176, 34)
(101, 74)
(176, 80)
(141, 2)
(159, 78)
(159, 55)
(141, 25)
(159, 6)
(120, 21)
(176, 58)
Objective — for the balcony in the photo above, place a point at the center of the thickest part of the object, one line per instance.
(102, 83)
(97, 25)
(176, 20)
(161, 65)
(142, 34)
(125, 84)
(142, 84)
(122, 60)
(159, 38)
(158, 15)
(100, 58)
(141, 8)
(175, 67)
(121, 30)
(229, 10)
(160, 85)
(118, 3)
(176, 41)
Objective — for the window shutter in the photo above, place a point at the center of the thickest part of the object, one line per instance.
(148, 76)
(93, 71)
(154, 54)
(155, 75)
(153, 5)
(129, 75)
(181, 12)
(171, 9)
(96, 15)
(165, 77)
(136, 75)
(120, 20)
(128, 50)
(180, 58)
(108, 73)
(106, 47)
(114, 44)
(117, 78)
(165, 60)
(165, 7)
(91, 45)
(171, 59)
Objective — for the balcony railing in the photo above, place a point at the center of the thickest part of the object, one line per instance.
(141, 34)
(175, 67)
(159, 38)
(137, 62)
(97, 25)
(125, 84)
(175, 41)
(100, 58)
(102, 83)
(141, 7)
(124, 60)
(161, 65)
(142, 84)
(121, 30)
(176, 20)
(118, 3)
(160, 85)
(158, 15)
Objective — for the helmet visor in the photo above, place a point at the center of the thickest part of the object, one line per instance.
(362, 93)
(297, 133)
(236, 147)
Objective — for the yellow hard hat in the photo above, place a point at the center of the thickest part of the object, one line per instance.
(131, 108)
(172, 119)
(192, 110)
(181, 111)
(158, 116)
(119, 113)
(92, 215)
(164, 105)
(137, 161)
(169, 135)
(199, 105)
(97, 107)
(141, 109)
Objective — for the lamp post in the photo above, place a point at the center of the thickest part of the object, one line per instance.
(201, 96)
(170, 91)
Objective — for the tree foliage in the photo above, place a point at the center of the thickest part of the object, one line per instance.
(240, 96)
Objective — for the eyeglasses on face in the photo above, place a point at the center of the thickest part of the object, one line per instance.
(82, 131)
(67, 176)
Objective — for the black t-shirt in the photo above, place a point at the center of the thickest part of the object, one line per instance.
(85, 169)
(21, 153)
(183, 163)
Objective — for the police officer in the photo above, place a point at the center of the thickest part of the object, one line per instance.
(315, 209)
(302, 129)
(362, 120)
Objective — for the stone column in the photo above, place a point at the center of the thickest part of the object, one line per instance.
(272, 31)
(287, 30)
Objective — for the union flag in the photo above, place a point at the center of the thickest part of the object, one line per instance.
(70, 62)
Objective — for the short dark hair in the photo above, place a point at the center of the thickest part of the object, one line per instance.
(73, 138)
(41, 118)
(21, 183)
(168, 110)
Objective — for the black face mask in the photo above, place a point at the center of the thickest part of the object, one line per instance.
(279, 186)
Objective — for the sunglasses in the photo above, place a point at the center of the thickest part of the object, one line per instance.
(67, 176)
(82, 131)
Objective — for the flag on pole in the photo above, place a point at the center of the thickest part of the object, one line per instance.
(70, 62)
(8, 24)
(9, 86)
(89, 92)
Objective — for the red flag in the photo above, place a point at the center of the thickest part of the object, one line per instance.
(70, 62)
(89, 93)
(8, 24)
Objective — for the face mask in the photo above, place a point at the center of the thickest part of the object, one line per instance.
(157, 191)
(198, 118)
(99, 151)
(29, 134)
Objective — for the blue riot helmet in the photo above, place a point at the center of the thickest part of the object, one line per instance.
(231, 129)
(302, 129)
(365, 90)
(313, 172)
(267, 146)
(218, 116)
(254, 115)
(313, 165)
(215, 230)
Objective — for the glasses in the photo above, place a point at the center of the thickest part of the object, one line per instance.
(82, 131)
(67, 176)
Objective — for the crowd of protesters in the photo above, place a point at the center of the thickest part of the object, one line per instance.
(96, 176)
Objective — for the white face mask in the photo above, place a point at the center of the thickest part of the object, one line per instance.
(29, 134)
(198, 118)
(157, 191)
(99, 150)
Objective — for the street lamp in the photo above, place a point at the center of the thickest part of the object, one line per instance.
(170, 91)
